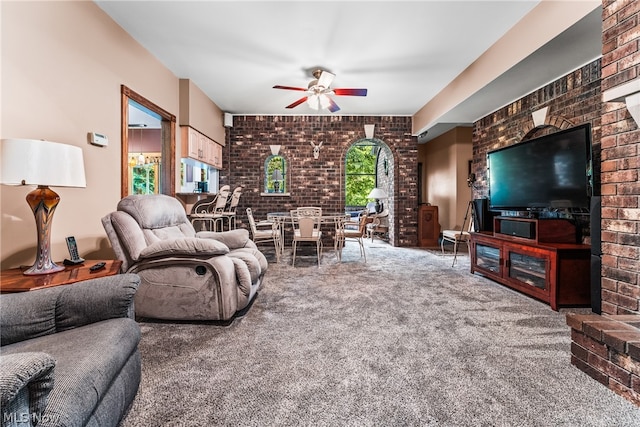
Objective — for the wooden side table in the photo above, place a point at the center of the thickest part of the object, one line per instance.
(14, 281)
(428, 226)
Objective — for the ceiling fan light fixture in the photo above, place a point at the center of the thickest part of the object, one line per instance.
(319, 92)
(325, 102)
(312, 101)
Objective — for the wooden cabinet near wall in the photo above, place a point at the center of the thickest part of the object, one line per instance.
(192, 143)
(214, 154)
(557, 273)
(199, 147)
(428, 226)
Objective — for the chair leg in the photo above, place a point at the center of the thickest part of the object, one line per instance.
(319, 250)
(293, 263)
(276, 248)
(455, 251)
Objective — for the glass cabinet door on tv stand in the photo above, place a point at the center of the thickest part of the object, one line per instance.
(486, 258)
(528, 270)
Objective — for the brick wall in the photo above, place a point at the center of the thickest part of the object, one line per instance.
(572, 100)
(620, 163)
(321, 181)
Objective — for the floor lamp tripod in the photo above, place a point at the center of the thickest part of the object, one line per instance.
(470, 215)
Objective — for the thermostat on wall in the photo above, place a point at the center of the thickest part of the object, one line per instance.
(98, 139)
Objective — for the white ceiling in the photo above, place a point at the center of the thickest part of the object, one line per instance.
(403, 52)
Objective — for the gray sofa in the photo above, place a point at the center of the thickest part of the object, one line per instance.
(185, 275)
(69, 354)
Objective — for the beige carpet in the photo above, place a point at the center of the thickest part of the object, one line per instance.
(403, 340)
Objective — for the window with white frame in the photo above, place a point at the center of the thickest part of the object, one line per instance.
(275, 178)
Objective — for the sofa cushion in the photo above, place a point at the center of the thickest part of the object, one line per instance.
(129, 233)
(26, 315)
(87, 361)
(157, 211)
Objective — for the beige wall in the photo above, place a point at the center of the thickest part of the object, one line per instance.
(543, 23)
(445, 169)
(62, 67)
(199, 112)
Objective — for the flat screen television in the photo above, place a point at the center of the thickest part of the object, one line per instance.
(552, 171)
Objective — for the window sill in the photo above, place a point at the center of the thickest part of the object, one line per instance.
(275, 194)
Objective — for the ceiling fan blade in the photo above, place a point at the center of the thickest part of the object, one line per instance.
(351, 92)
(289, 88)
(325, 79)
(333, 107)
(298, 102)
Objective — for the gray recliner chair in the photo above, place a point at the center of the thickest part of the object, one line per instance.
(185, 275)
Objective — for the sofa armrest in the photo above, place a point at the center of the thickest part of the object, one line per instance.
(188, 246)
(26, 315)
(25, 382)
(234, 239)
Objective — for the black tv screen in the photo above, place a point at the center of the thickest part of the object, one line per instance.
(547, 172)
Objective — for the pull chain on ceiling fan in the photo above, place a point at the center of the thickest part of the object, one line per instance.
(319, 91)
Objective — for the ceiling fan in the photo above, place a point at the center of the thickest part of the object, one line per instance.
(319, 91)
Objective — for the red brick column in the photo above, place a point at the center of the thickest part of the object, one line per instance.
(620, 163)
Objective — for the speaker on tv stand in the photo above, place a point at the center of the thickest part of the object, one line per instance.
(596, 254)
(483, 217)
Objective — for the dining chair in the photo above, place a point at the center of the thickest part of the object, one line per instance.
(347, 229)
(211, 212)
(457, 237)
(266, 231)
(306, 228)
(379, 225)
(229, 212)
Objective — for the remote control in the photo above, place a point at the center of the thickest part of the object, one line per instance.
(97, 266)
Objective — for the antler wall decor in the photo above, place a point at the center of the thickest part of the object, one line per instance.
(316, 149)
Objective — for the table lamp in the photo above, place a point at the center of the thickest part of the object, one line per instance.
(42, 163)
(378, 193)
(276, 177)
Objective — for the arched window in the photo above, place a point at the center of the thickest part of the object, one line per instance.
(360, 174)
(275, 174)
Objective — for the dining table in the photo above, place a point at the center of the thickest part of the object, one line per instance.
(284, 218)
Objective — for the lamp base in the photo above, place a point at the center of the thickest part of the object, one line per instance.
(378, 206)
(276, 186)
(43, 202)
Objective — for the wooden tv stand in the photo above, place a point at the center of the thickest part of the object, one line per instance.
(557, 273)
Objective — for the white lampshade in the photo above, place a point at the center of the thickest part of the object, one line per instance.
(325, 102)
(377, 193)
(277, 175)
(37, 162)
(312, 101)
